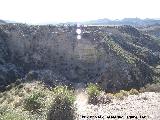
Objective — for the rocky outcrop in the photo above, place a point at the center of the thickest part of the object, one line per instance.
(114, 56)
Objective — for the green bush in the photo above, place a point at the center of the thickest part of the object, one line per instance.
(64, 91)
(33, 102)
(62, 107)
(93, 91)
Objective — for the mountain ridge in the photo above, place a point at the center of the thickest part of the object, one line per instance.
(104, 21)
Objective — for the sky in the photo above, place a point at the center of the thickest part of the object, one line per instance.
(50, 11)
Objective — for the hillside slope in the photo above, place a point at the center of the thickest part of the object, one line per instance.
(114, 56)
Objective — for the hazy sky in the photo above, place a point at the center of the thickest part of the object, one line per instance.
(43, 11)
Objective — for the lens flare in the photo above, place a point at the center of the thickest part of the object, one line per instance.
(78, 31)
(78, 37)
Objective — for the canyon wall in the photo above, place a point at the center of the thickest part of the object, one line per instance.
(117, 57)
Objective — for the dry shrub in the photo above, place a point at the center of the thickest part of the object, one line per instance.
(104, 99)
(134, 92)
(62, 107)
(33, 102)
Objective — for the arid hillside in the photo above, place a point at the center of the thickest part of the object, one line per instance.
(117, 57)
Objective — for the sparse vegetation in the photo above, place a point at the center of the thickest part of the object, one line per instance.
(93, 91)
(155, 87)
(33, 102)
(3, 109)
(122, 93)
(134, 92)
(18, 103)
(54, 104)
(21, 93)
(64, 91)
(104, 99)
(120, 51)
(119, 96)
(9, 115)
(10, 99)
(62, 107)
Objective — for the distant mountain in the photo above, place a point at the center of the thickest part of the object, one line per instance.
(9, 21)
(6, 21)
(125, 21)
(105, 21)
(2, 22)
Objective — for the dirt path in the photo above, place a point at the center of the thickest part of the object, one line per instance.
(81, 98)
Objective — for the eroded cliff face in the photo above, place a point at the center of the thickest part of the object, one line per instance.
(115, 56)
